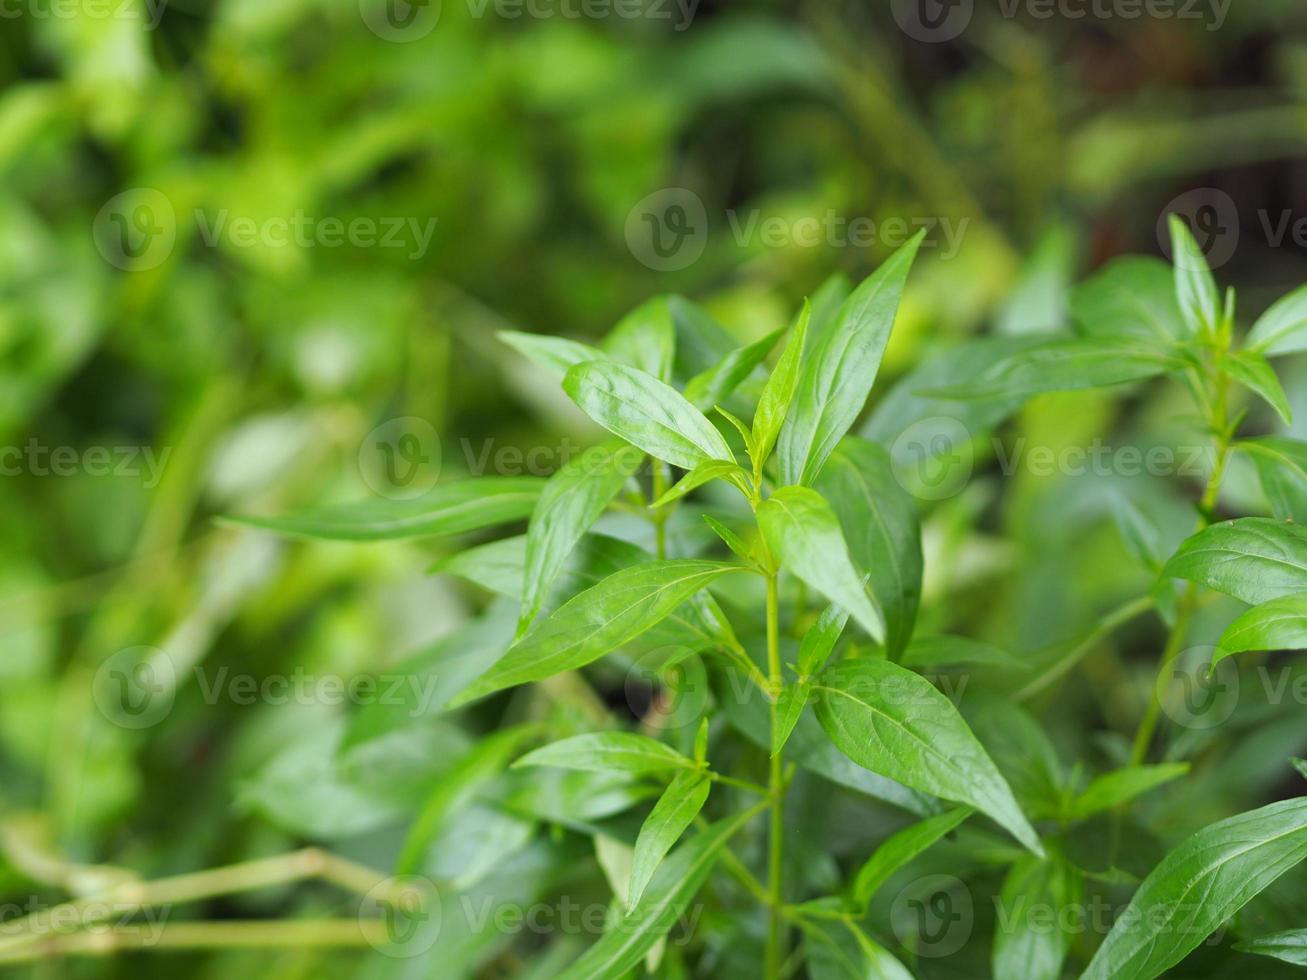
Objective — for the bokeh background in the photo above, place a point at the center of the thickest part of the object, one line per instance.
(246, 245)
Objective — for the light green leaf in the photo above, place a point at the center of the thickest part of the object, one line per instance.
(1029, 942)
(729, 537)
(1122, 786)
(880, 524)
(714, 385)
(1282, 468)
(1195, 289)
(645, 339)
(598, 620)
(572, 500)
(1198, 886)
(1255, 559)
(450, 508)
(1280, 624)
(556, 354)
(778, 392)
(1291, 946)
(645, 412)
(1064, 364)
(496, 565)
(1283, 328)
(839, 372)
(804, 535)
(901, 848)
(705, 472)
(665, 900)
(607, 752)
(892, 721)
(820, 640)
(826, 303)
(1131, 297)
(669, 819)
(1255, 373)
(789, 706)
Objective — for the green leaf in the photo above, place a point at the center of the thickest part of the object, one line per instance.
(665, 900)
(789, 707)
(778, 392)
(1198, 886)
(820, 640)
(933, 652)
(1195, 289)
(848, 953)
(804, 535)
(607, 752)
(839, 372)
(882, 530)
(1064, 364)
(1122, 786)
(901, 848)
(892, 721)
(1283, 328)
(598, 620)
(496, 565)
(572, 500)
(1254, 372)
(645, 339)
(645, 412)
(1280, 624)
(1132, 297)
(826, 303)
(1291, 946)
(1031, 937)
(1282, 469)
(1255, 559)
(713, 386)
(729, 537)
(556, 354)
(670, 818)
(705, 472)
(451, 508)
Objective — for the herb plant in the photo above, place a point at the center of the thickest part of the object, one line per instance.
(756, 584)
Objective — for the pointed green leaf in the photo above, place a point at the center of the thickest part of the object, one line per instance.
(901, 848)
(670, 818)
(839, 372)
(880, 524)
(1195, 289)
(717, 383)
(804, 535)
(607, 752)
(1283, 328)
(1291, 946)
(645, 412)
(820, 640)
(665, 900)
(598, 620)
(645, 339)
(1198, 886)
(892, 721)
(556, 354)
(1122, 786)
(1132, 297)
(1280, 624)
(729, 537)
(778, 392)
(451, 508)
(1255, 559)
(1282, 469)
(705, 472)
(789, 706)
(1255, 373)
(1032, 930)
(572, 500)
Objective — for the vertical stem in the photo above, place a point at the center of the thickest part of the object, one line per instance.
(776, 786)
(660, 514)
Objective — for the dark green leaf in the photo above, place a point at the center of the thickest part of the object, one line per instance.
(901, 848)
(1032, 929)
(670, 818)
(1122, 786)
(1255, 559)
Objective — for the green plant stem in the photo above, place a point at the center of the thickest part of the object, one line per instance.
(659, 513)
(776, 787)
